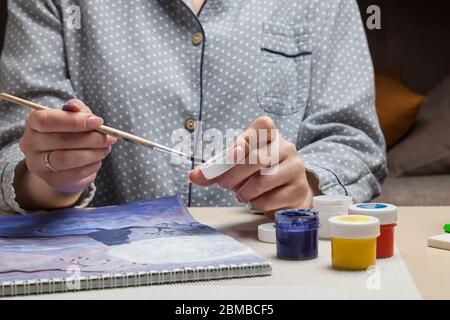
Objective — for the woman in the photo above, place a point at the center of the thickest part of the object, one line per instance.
(155, 67)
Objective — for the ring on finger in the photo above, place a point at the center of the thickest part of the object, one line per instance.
(47, 162)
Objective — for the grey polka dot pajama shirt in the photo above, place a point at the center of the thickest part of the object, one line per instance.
(139, 64)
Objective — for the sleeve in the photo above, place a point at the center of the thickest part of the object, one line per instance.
(340, 139)
(32, 66)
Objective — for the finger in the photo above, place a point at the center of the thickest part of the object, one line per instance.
(242, 172)
(284, 197)
(196, 177)
(74, 180)
(60, 121)
(256, 160)
(62, 160)
(240, 185)
(261, 131)
(234, 155)
(76, 105)
(69, 141)
(259, 184)
(251, 135)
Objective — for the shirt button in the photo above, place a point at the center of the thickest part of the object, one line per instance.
(189, 124)
(197, 39)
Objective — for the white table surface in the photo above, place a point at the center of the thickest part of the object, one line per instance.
(428, 267)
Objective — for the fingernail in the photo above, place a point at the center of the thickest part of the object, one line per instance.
(66, 107)
(238, 199)
(71, 106)
(110, 141)
(188, 178)
(93, 122)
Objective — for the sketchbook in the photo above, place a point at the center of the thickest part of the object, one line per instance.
(140, 243)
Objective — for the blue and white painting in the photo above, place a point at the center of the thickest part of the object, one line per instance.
(141, 236)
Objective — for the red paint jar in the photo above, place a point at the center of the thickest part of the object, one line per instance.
(385, 242)
(387, 214)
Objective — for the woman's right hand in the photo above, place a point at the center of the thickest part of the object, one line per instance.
(74, 150)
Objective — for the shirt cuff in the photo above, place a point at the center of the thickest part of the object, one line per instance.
(9, 195)
(329, 182)
(86, 197)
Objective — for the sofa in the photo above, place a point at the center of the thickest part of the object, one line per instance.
(419, 164)
(414, 39)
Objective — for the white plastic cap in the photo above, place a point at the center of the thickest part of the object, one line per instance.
(387, 213)
(217, 165)
(331, 201)
(354, 227)
(330, 206)
(267, 233)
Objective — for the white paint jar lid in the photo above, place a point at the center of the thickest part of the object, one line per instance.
(354, 227)
(329, 206)
(331, 201)
(267, 233)
(387, 213)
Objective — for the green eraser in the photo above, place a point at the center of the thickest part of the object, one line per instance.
(447, 228)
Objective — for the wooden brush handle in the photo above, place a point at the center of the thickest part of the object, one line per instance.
(102, 129)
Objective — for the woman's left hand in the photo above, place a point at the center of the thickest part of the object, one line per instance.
(269, 186)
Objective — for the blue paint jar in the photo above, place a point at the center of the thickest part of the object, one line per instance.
(297, 234)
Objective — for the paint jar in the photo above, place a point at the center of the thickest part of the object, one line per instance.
(330, 206)
(297, 234)
(387, 214)
(354, 242)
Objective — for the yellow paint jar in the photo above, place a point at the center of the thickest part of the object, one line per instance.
(354, 242)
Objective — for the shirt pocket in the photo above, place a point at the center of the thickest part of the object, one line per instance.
(285, 68)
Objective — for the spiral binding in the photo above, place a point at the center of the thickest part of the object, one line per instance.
(134, 279)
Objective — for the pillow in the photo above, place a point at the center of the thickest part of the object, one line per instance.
(426, 150)
(397, 106)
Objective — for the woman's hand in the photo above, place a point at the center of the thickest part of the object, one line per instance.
(73, 151)
(268, 186)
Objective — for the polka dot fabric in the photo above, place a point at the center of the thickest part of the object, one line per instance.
(304, 63)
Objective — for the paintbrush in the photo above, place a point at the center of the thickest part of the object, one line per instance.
(107, 130)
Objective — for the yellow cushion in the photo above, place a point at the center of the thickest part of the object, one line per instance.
(397, 106)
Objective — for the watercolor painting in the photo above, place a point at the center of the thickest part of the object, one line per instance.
(142, 236)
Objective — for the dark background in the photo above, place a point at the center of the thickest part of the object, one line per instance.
(415, 37)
